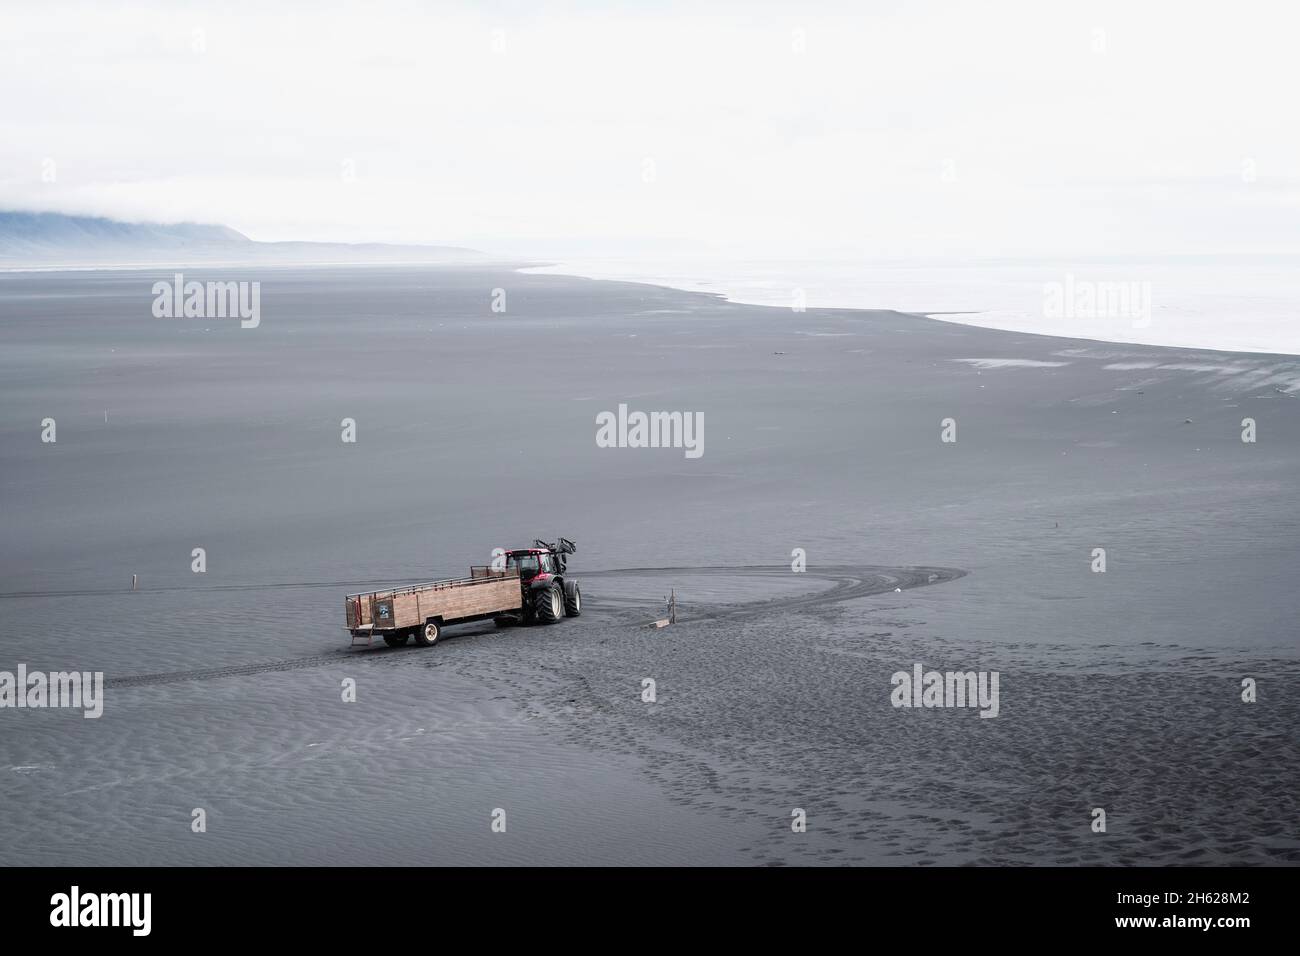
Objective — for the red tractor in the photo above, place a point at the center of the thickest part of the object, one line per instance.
(548, 592)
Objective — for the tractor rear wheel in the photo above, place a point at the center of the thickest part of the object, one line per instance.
(428, 635)
(548, 606)
(572, 599)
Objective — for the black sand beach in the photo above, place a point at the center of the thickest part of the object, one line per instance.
(476, 429)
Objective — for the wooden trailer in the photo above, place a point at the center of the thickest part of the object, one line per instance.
(422, 610)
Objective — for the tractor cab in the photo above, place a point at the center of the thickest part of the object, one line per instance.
(530, 562)
(542, 560)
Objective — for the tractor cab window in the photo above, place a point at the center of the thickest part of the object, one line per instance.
(526, 563)
(548, 563)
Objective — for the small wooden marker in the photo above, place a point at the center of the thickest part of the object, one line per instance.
(133, 581)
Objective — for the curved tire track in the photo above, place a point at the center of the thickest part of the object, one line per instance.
(848, 583)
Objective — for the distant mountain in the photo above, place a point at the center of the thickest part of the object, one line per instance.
(45, 239)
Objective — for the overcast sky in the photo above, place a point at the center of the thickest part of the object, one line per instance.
(774, 129)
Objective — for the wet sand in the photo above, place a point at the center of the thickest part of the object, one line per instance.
(476, 429)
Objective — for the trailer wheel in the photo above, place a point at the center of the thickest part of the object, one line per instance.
(572, 599)
(428, 635)
(548, 605)
(396, 640)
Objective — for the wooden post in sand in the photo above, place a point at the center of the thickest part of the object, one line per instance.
(134, 578)
(672, 612)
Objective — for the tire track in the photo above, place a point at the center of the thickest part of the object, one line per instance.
(848, 584)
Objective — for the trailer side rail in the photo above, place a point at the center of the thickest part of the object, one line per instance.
(438, 585)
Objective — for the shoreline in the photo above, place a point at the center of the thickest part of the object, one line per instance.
(1012, 309)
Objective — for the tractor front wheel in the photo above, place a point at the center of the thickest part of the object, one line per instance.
(548, 606)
